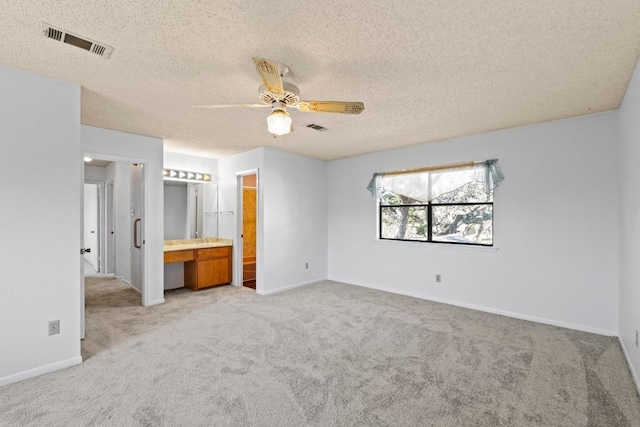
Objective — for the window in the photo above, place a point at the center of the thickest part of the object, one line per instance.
(439, 205)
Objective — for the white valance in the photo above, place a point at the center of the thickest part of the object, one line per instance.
(425, 184)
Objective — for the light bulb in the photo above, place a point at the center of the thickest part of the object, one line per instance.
(279, 122)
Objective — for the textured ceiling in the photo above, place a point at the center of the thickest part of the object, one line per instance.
(426, 70)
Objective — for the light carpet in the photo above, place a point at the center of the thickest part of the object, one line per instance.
(327, 354)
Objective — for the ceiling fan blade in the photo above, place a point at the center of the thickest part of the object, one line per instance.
(270, 75)
(330, 107)
(231, 106)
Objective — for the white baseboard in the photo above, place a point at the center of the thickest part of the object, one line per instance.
(568, 325)
(634, 375)
(286, 288)
(154, 302)
(20, 376)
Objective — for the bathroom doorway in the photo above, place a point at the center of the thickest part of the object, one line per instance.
(249, 229)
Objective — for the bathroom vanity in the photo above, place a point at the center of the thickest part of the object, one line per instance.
(207, 261)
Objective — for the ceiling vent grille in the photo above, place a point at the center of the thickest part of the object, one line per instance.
(64, 36)
(317, 127)
(52, 33)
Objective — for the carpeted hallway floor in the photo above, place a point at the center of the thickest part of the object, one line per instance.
(327, 354)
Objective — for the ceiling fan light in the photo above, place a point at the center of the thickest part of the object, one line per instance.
(279, 122)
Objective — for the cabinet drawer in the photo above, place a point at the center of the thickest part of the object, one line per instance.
(213, 253)
(213, 272)
(178, 256)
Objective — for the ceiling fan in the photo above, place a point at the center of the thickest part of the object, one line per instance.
(280, 95)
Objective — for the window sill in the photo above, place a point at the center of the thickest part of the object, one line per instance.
(438, 246)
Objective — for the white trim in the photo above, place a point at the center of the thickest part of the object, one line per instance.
(155, 302)
(634, 375)
(438, 246)
(247, 172)
(21, 376)
(568, 325)
(286, 288)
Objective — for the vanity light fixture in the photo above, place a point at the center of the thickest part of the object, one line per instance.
(186, 176)
(88, 159)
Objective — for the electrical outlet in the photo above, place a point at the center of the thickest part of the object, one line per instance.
(438, 278)
(306, 265)
(636, 338)
(54, 327)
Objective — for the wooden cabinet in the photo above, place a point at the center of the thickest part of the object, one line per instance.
(179, 256)
(211, 267)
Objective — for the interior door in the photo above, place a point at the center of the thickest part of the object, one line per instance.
(137, 213)
(110, 261)
(91, 225)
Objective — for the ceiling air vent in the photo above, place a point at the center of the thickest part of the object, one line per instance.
(317, 127)
(64, 36)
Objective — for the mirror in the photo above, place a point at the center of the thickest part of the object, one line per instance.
(190, 210)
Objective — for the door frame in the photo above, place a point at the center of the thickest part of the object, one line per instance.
(109, 219)
(101, 222)
(238, 247)
(146, 226)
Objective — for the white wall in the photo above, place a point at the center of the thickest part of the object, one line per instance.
(629, 175)
(555, 226)
(292, 216)
(112, 145)
(175, 220)
(295, 219)
(39, 225)
(95, 173)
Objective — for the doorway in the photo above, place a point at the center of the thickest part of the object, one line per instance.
(91, 241)
(119, 229)
(249, 228)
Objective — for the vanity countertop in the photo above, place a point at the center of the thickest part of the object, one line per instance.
(204, 242)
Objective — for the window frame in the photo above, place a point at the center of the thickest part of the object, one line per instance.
(429, 205)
